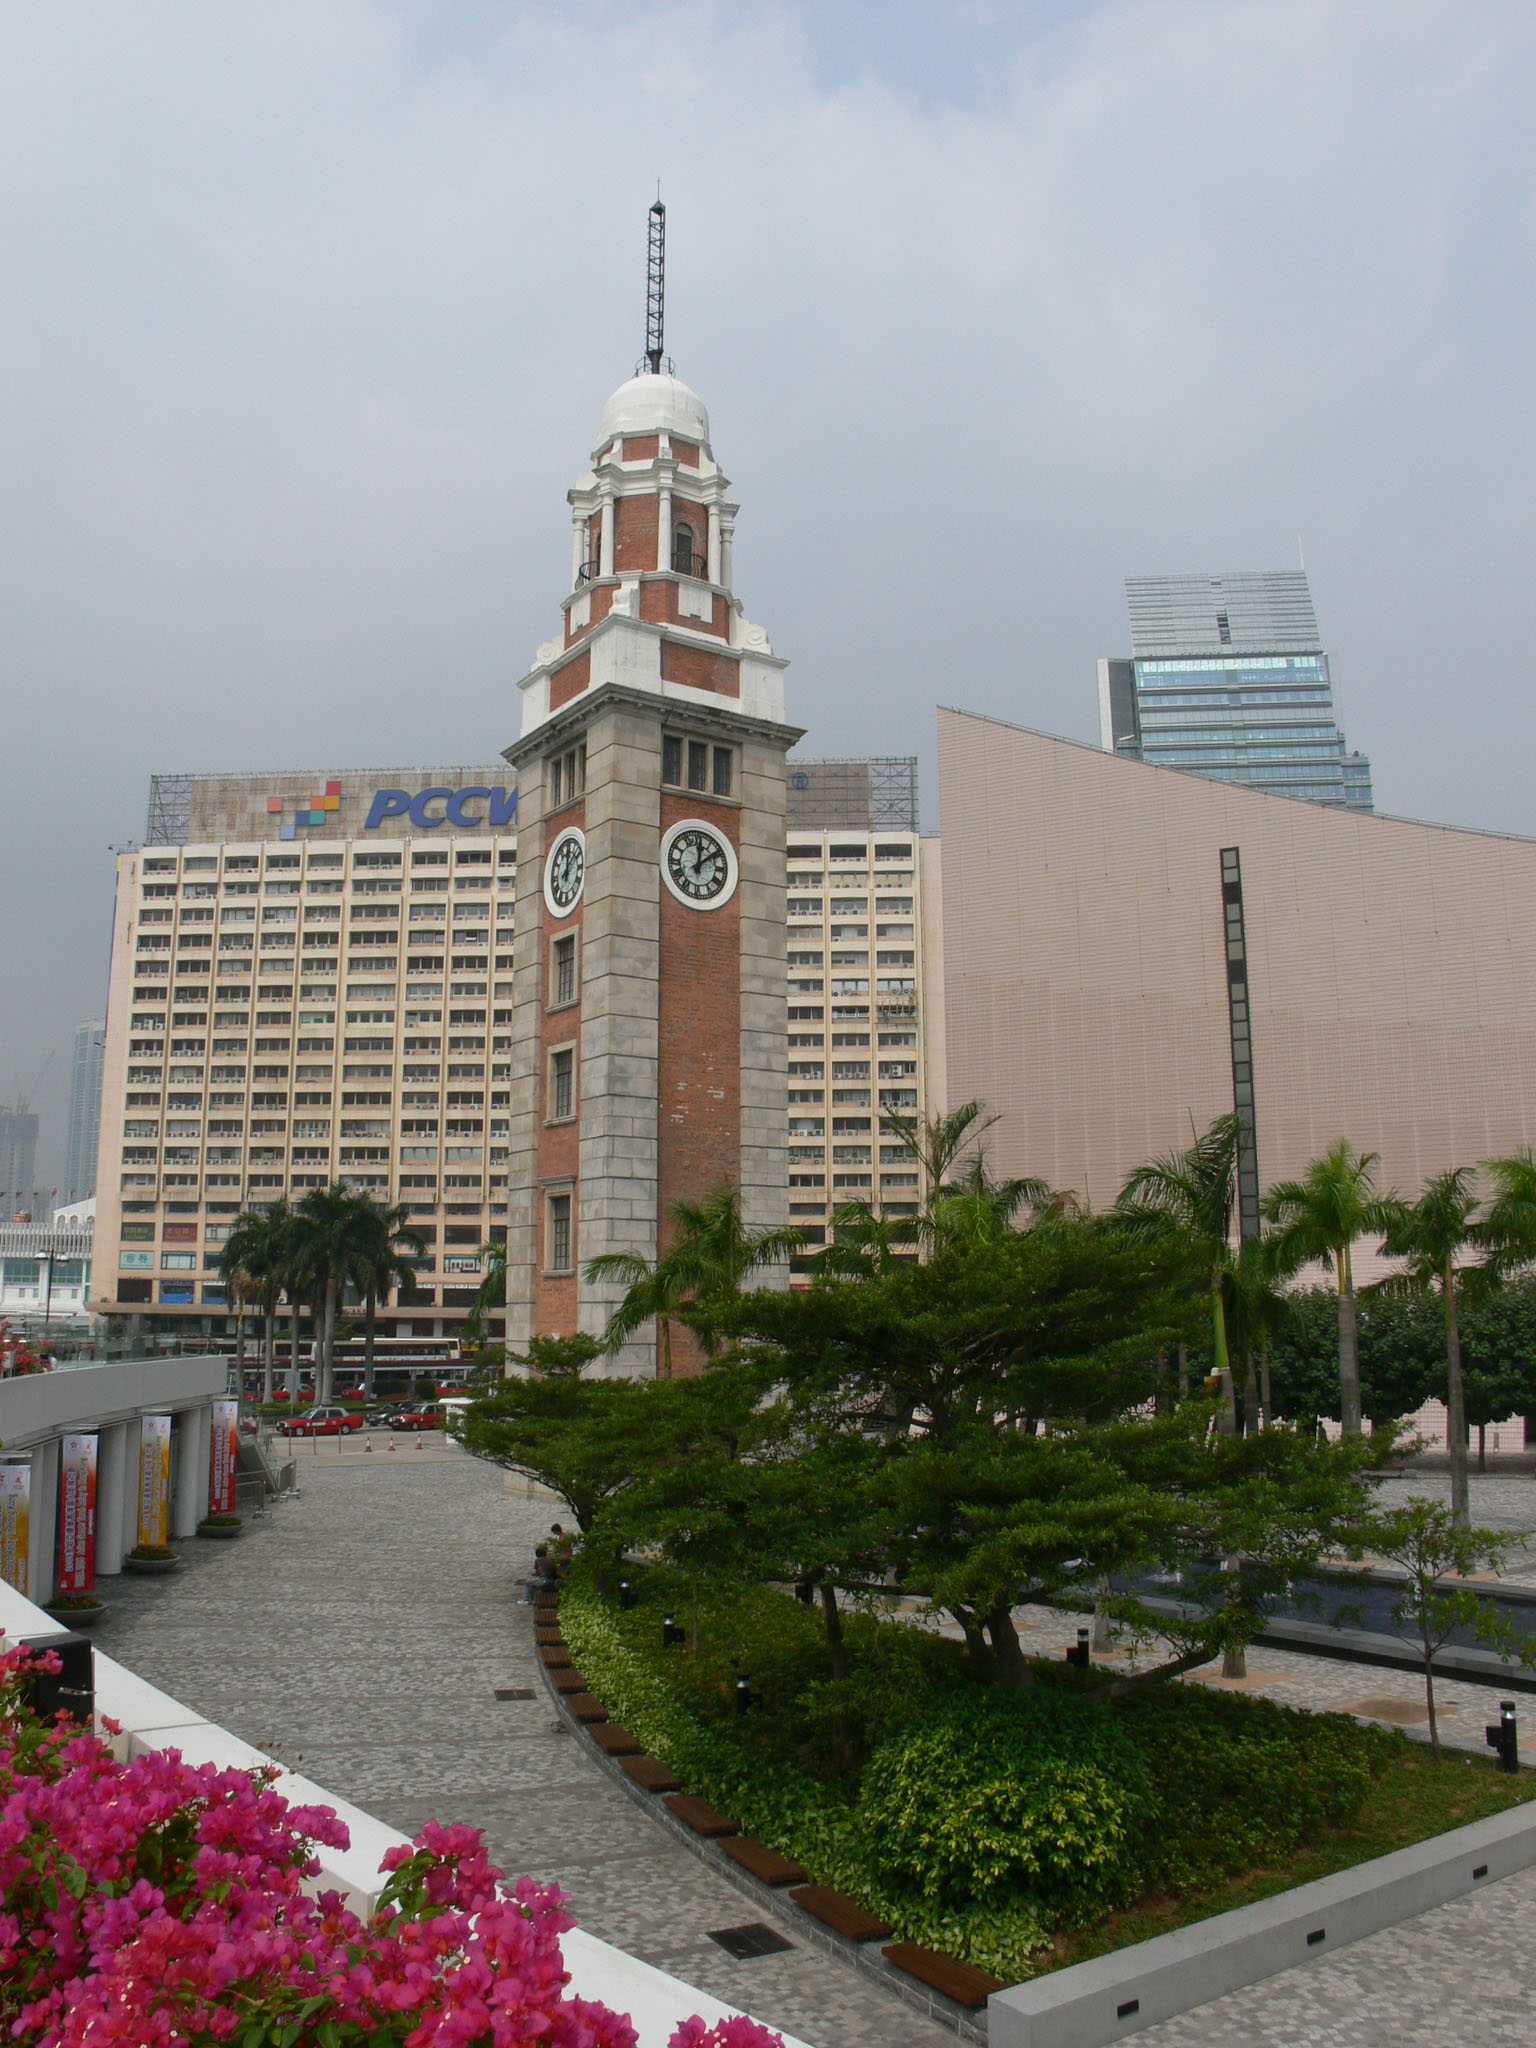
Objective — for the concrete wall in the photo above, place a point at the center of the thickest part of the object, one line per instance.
(1392, 968)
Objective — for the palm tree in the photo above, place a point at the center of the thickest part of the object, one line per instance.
(1508, 1231)
(712, 1252)
(253, 1262)
(492, 1292)
(1195, 1194)
(383, 1260)
(1256, 1310)
(335, 1229)
(1430, 1236)
(1317, 1219)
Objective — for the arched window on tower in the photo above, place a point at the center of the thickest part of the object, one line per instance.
(682, 550)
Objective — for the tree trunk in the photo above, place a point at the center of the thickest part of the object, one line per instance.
(1103, 1639)
(269, 1353)
(1455, 1409)
(666, 1347)
(1250, 1396)
(1012, 1665)
(831, 1615)
(1183, 1372)
(983, 1663)
(1482, 1447)
(1234, 1656)
(1349, 1361)
(368, 1319)
(1429, 1701)
(293, 1363)
(1160, 1401)
(1219, 1359)
(1266, 1395)
(327, 1372)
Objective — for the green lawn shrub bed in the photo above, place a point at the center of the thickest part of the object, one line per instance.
(1017, 1830)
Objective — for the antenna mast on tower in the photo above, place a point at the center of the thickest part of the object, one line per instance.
(655, 287)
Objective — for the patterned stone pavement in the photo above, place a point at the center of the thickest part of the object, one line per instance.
(360, 1632)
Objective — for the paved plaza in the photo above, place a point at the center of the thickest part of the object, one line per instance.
(360, 1632)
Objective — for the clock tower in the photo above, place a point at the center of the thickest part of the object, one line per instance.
(648, 1035)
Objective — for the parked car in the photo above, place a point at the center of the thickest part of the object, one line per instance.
(420, 1415)
(324, 1421)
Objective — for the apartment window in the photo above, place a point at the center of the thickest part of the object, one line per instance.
(682, 550)
(671, 760)
(563, 971)
(562, 1085)
(557, 1233)
(698, 765)
(722, 771)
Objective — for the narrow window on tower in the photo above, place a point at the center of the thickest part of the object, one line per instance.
(554, 782)
(581, 769)
(671, 760)
(698, 765)
(562, 976)
(562, 1085)
(557, 1233)
(722, 771)
(682, 551)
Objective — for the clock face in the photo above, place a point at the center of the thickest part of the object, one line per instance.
(565, 872)
(698, 865)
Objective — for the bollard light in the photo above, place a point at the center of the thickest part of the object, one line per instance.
(743, 1693)
(1503, 1737)
(671, 1634)
(628, 1597)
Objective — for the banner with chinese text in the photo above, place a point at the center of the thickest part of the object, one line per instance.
(221, 1491)
(77, 1515)
(155, 1482)
(15, 1524)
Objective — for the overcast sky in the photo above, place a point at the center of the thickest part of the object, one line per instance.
(308, 311)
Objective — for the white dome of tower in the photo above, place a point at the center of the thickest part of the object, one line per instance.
(655, 404)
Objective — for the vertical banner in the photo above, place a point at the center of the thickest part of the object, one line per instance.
(155, 1482)
(77, 1516)
(221, 1491)
(15, 1524)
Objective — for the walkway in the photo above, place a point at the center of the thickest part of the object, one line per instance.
(361, 1633)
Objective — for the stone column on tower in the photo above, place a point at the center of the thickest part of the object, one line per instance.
(648, 1039)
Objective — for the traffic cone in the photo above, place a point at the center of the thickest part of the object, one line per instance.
(368, 1445)
(418, 1443)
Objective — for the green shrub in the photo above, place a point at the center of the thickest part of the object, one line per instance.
(1043, 1794)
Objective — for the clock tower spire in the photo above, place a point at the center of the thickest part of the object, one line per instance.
(648, 1041)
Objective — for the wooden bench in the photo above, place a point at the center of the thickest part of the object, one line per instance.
(568, 1681)
(613, 1740)
(555, 1657)
(843, 1915)
(962, 1982)
(549, 1639)
(586, 1709)
(699, 1816)
(763, 1863)
(652, 1775)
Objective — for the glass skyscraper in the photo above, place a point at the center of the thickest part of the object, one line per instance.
(1227, 678)
(85, 1075)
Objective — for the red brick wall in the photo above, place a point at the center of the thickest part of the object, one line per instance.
(570, 681)
(634, 533)
(554, 1303)
(600, 606)
(686, 452)
(642, 448)
(698, 670)
(698, 1118)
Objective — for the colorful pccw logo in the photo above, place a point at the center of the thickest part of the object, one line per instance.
(427, 809)
(311, 810)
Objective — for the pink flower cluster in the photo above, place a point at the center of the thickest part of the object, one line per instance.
(160, 1904)
(18, 1357)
